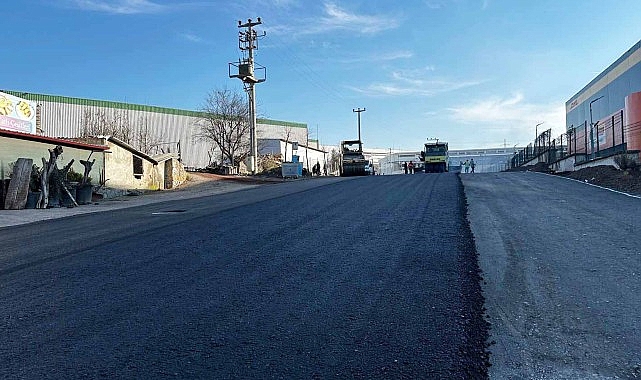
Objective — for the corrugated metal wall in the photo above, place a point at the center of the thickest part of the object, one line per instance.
(66, 120)
(63, 117)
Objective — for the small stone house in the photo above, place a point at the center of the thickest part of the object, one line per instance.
(128, 168)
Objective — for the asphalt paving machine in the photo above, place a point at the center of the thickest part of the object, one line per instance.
(434, 156)
(353, 162)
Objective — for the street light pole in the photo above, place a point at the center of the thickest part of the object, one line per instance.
(592, 126)
(536, 131)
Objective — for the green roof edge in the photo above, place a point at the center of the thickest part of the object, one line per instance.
(131, 107)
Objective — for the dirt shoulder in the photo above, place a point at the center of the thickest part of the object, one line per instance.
(204, 183)
(196, 178)
(627, 181)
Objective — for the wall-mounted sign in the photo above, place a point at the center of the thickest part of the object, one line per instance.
(17, 114)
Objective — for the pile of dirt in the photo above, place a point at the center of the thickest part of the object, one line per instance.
(627, 181)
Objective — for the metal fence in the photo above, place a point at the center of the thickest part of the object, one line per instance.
(585, 142)
(542, 145)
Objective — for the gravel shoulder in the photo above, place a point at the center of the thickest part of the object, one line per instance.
(561, 269)
(626, 181)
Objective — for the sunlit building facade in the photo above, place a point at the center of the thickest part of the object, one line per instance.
(177, 130)
(605, 116)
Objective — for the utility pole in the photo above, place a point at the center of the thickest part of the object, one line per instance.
(247, 43)
(358, 111)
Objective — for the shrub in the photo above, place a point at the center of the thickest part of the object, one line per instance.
(625, 162)
(72, 176)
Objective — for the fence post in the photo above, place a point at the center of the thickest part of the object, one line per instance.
(596, 129)
(613, 138)
(561, 146)
(622, 131)
(585, 128)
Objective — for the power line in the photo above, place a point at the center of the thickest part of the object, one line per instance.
(305, 71)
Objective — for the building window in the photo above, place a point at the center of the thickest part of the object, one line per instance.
(137, 167)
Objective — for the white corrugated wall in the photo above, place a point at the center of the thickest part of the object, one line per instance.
(65, 119)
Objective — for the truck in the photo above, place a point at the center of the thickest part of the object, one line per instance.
(434, 156)
(353, 162)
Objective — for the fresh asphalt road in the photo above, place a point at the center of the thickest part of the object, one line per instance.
(561, 263)
(372, 277)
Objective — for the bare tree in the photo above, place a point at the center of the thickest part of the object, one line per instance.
(334, 159)
(139, 135)
(145, 140)
(211, 152)
(225, 124)
(288, 135)
(98, 123)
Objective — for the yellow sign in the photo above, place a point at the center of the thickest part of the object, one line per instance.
(17, 114)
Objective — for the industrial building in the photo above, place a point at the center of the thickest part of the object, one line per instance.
(486, 160)
(603, 122)
(604, 117)
(175, 130)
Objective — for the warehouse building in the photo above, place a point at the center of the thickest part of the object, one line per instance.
(604, 118)
(486, 160)
(172, 130)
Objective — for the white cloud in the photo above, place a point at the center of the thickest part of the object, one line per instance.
(440, 4)
(512, 114)
(339, 18)
(191, 37)
(417, 87)
(393, 55)
(336, 18)
(138, 6)
(414, 82)
(435, 4)
(119, 6)
(265, 4)
(383, 57)
(283, 3)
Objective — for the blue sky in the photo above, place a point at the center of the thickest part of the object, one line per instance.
(477, 73)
